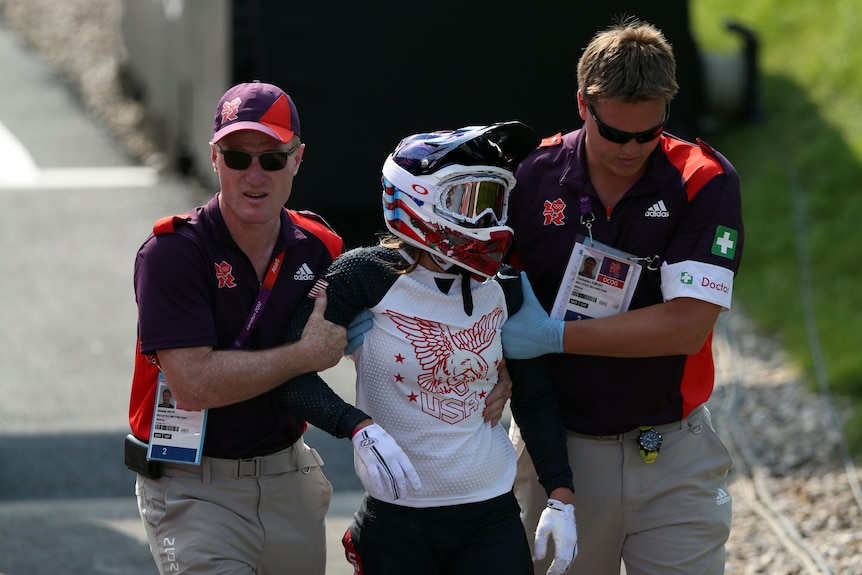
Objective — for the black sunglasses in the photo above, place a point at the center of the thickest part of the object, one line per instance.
(269, 161)
(620, 137)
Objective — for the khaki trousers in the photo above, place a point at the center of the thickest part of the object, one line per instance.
(671, 516)
(261, 516)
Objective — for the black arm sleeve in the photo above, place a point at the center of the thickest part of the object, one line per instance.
(537, 413)
(309, 398)
(357, 280)
(534, 404)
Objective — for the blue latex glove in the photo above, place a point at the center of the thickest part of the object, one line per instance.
(356, 330)
(530, 332)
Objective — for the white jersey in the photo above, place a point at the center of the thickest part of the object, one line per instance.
(423, 373)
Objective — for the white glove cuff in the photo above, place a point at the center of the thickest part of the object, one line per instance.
(567, 509)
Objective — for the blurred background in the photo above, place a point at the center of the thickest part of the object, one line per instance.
(775, 86)
(364, 75)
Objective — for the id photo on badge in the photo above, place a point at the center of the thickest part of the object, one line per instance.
(176, 434)
(167, 401)
(588, 268)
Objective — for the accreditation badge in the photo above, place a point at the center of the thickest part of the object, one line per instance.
(176, 434)
(599, 281)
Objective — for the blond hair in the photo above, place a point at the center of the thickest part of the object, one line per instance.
(393, 242)
(630, 61)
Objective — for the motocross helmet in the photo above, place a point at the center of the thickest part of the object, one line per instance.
(447, 192)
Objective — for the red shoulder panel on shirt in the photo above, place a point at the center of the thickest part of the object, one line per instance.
(554, 140)
(167, 225)
(320, 228)
(697, 164)
(144, 381)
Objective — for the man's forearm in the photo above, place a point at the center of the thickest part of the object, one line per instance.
(677, 327)
(203, 378)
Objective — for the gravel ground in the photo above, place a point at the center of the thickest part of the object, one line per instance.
(795, 510)
(82, 39)
(794, 505)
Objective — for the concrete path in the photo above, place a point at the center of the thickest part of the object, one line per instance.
(73, 211)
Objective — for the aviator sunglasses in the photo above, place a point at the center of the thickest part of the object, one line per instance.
(269, 161)
(620, 137)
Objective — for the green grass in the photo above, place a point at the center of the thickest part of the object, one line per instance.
(801, 174)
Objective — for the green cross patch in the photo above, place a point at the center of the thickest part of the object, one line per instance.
(724, 243)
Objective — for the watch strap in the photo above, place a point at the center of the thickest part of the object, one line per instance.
(647, 456)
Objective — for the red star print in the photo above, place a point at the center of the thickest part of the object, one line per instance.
(482, 395)
(399, 378)
(399, 358)
(412, 397)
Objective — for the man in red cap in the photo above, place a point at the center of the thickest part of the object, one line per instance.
(225, 483)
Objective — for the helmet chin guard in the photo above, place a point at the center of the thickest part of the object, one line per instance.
(447, 192)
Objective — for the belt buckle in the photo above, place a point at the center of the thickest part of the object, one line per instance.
(249, 467)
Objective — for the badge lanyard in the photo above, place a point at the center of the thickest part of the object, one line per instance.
(587, 219)
(178, 435)
(262, 297)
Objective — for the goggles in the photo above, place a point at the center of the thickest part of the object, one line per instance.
(620, 137)
(471, 199)
(269, 161)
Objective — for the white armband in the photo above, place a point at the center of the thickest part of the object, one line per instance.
(697, 280)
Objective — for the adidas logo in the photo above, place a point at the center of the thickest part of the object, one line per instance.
(722, 497)
(657, 210)
(304, 273)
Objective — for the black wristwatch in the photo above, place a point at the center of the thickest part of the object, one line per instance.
(649, 441)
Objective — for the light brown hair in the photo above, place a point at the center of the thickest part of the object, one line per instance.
(629, 61)
(393, 242)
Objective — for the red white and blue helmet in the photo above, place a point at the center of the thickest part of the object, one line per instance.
(447, 192)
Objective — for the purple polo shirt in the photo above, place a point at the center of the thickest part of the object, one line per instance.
(672, 215)
(195, 287)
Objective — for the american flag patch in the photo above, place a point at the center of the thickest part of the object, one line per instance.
(319, 285)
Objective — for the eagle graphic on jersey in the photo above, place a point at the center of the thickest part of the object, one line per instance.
(450, 360)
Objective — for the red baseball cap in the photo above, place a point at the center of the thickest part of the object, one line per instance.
(256, 106)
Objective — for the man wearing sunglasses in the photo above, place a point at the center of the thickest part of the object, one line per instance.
(649, 469)
(215, 288)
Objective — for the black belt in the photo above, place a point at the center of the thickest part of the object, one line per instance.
(297, 456)
(663, 428)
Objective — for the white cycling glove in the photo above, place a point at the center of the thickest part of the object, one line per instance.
(381, 465)
(557, 522)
